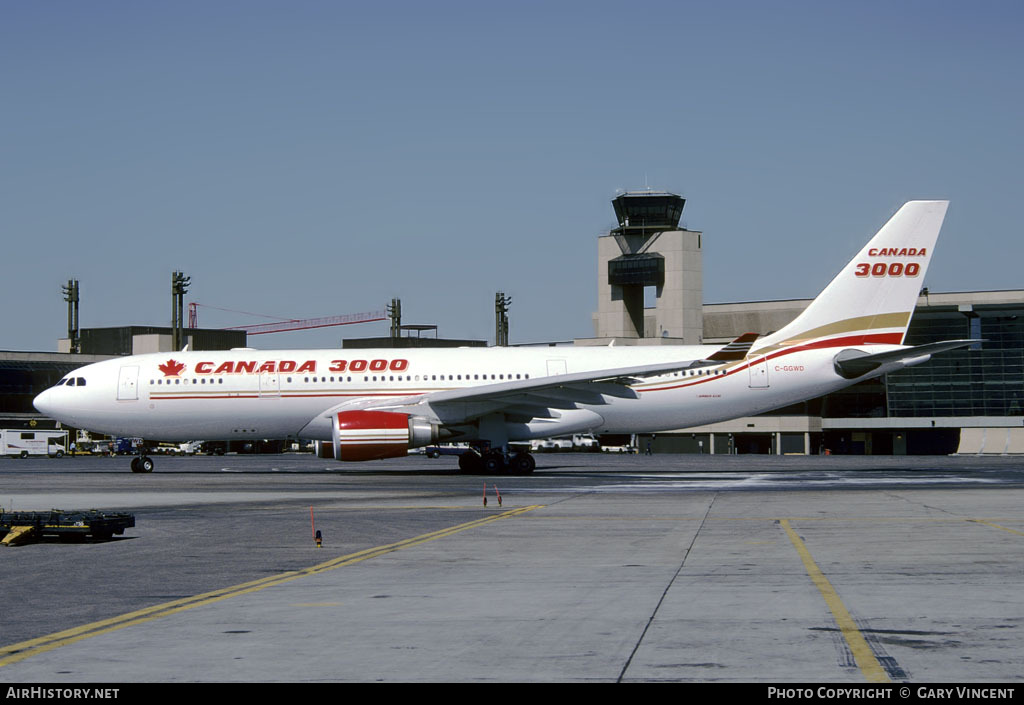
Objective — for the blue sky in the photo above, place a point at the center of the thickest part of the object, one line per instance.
(317, 158)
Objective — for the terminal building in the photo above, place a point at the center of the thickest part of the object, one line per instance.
(962, 401)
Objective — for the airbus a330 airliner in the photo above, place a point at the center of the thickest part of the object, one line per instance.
(375, 404)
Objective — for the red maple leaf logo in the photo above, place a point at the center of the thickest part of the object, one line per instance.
(171, 368)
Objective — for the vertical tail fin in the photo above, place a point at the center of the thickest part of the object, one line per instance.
(872, 299)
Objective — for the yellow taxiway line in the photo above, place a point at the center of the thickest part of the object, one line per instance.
(25, 649)
(862, 653)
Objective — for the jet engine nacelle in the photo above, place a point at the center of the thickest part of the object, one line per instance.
(372, 435)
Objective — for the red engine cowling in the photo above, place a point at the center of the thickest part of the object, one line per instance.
(373, 435)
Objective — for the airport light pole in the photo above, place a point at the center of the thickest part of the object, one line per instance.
(71, 296)
(395, 314)
(501, 304)
(179, 285)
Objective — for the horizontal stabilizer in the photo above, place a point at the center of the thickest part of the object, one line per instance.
(851, 364)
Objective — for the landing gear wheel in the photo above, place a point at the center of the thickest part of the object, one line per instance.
(494, 463)
(470, 461)
(523, 464)
(142, 464)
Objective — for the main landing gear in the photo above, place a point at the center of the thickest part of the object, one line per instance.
(142, 463)
(495, 462)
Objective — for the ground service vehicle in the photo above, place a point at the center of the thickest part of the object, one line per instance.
(22, 443)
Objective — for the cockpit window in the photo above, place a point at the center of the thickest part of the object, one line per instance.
(71, 381)
(81, 381)
(61, 382)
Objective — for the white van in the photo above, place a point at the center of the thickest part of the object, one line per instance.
(20, 443)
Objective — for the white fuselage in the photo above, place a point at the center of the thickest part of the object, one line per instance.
(239, 394)
(377, 403)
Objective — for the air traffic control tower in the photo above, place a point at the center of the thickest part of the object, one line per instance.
(648, 253)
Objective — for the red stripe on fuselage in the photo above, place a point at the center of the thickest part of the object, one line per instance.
(874, 339)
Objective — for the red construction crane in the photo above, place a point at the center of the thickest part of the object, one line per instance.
(288, 324)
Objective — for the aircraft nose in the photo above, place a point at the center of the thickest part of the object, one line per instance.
(44, 402)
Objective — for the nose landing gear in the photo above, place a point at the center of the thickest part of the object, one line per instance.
(142, 463)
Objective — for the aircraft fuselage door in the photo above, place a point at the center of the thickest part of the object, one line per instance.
(556, 367)
(270, 384)
(759, 373)
(128, 383)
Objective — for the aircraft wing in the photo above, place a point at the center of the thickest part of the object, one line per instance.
(522, 400)
(527, 397)
(734, 351)
(539, 398)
